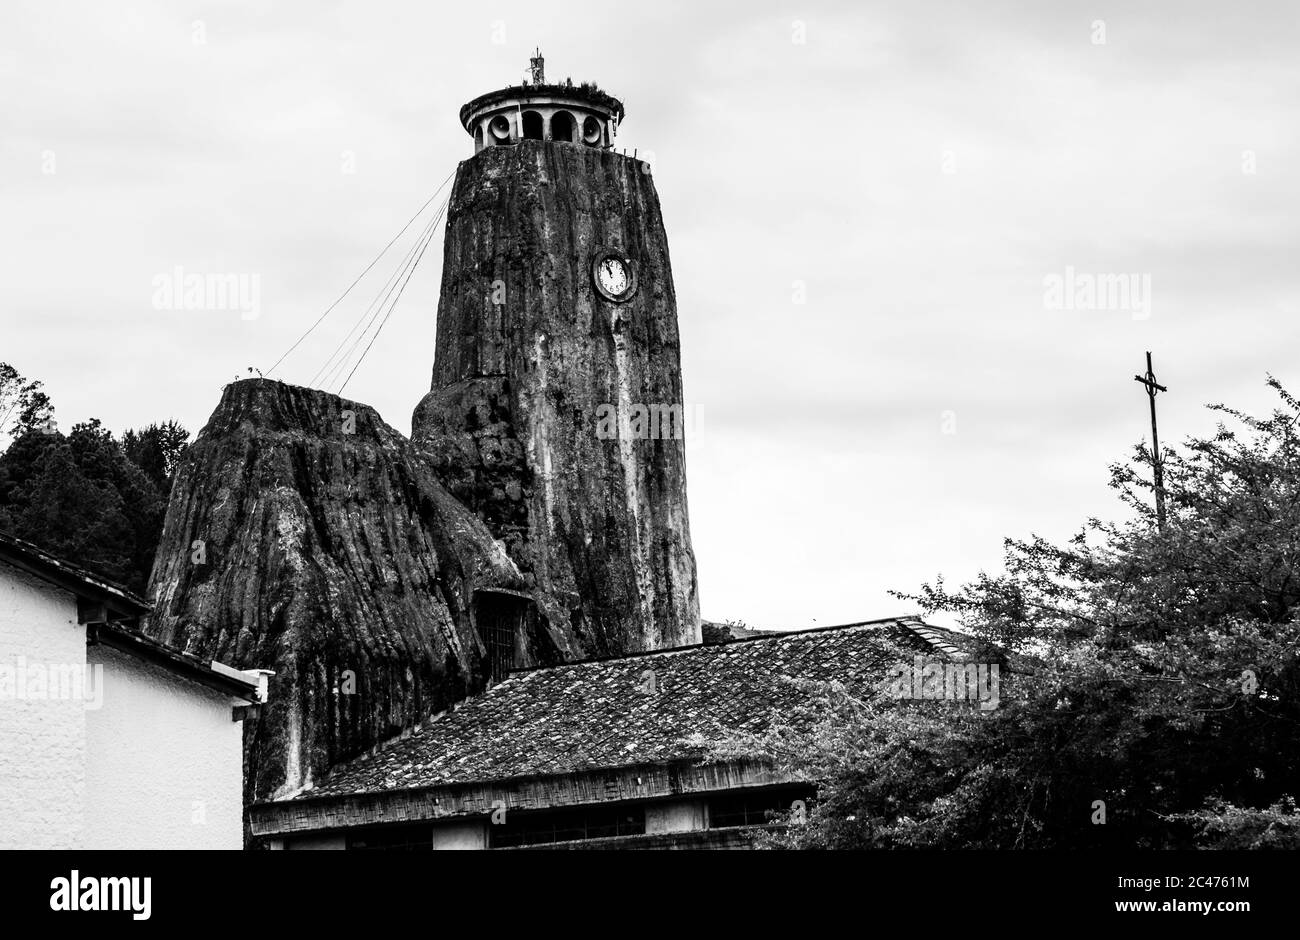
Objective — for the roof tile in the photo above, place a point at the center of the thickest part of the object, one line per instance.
(604, 713)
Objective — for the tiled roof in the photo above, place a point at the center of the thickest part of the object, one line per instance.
(73, 578)
(248, 684)
(120, 610)
(620, 712)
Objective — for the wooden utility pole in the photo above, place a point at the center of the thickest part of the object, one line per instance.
(1149, 380)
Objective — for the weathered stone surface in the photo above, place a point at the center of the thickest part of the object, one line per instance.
(380, 577)
(527, 354)
(306, 536)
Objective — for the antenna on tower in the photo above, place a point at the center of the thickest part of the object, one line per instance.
(537, 66)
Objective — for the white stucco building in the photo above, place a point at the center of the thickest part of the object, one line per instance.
(107, 738)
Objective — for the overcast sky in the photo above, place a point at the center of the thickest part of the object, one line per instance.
(915, 173)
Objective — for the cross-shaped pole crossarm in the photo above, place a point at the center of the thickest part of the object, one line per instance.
(1157, 466)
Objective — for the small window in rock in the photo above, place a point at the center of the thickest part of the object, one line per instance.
(501, 617)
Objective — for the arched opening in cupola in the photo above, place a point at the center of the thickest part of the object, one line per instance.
(563, 126)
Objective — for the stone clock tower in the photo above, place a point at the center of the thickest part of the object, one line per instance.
(556, 409)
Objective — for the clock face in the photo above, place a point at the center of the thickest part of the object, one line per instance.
(613, 275)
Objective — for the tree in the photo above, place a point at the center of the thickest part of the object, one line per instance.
(1150, 685)
(157, 450)
(72, 515)
(85, 496)
(79, 497)
(23, 405)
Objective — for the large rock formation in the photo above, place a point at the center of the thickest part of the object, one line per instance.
(530, 360)
(307, 536)
(385, 578)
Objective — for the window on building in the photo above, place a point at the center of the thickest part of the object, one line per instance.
(532, 125)
(569, 825)
(501, 617)
(417, 837)
(756, 808)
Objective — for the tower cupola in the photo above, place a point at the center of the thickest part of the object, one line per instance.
(537, 110)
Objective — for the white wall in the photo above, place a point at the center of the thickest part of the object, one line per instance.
(455, 836)
(42, 740)
(333, 841)
(669, 816)
(675, 816)
(164, 761)
(447, 836)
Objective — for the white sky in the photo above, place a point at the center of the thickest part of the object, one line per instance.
(820, 474)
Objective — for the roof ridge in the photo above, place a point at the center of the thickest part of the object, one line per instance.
(905, 620)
